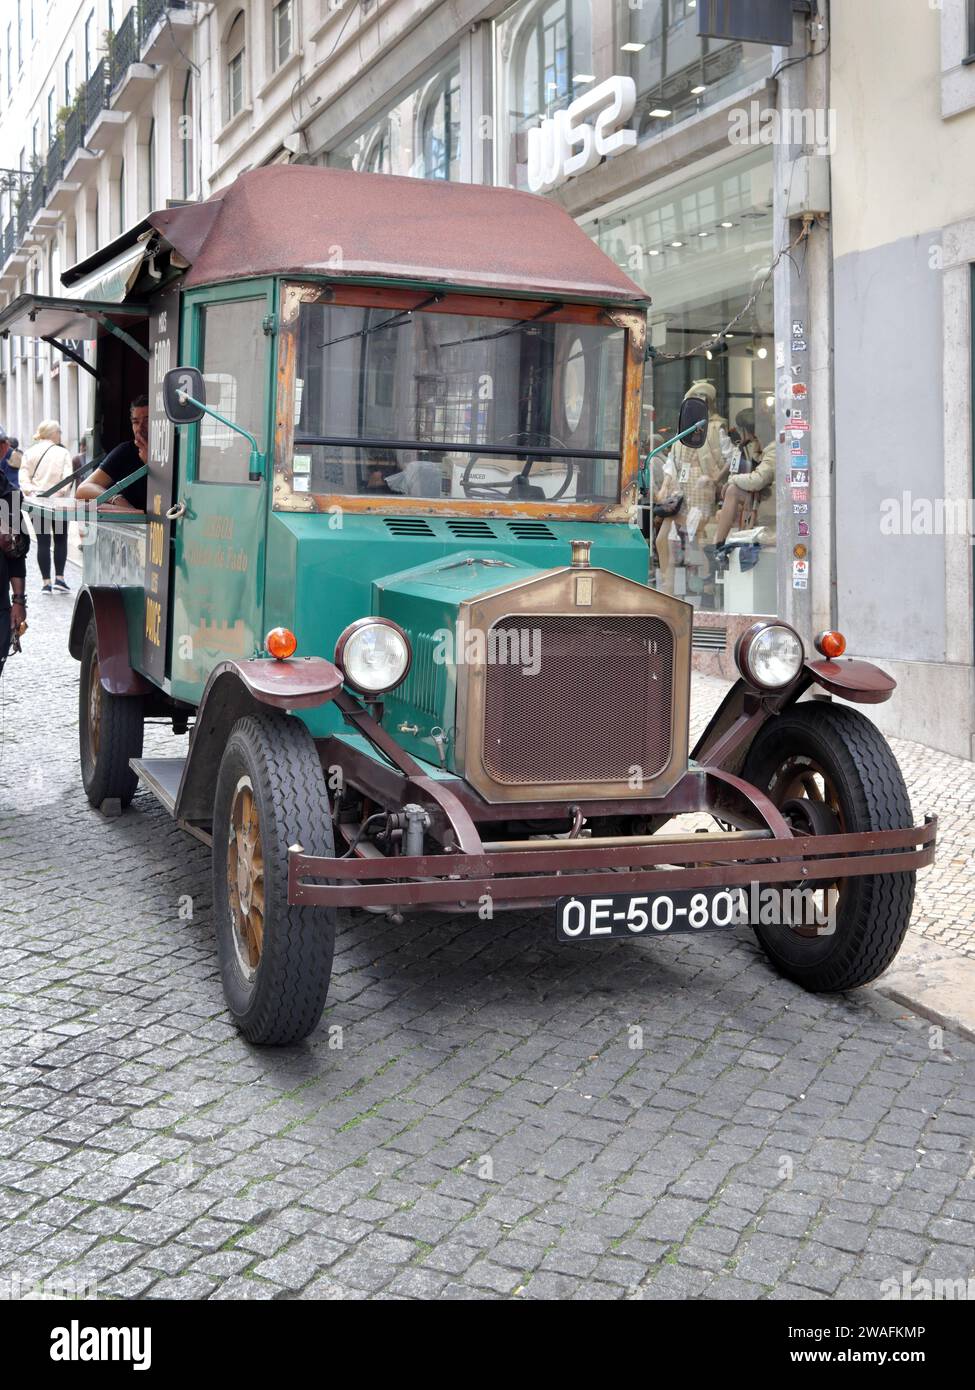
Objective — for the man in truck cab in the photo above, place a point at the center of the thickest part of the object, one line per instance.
(124, 459)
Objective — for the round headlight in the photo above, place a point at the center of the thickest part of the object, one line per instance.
(770, 655)
(373, 655)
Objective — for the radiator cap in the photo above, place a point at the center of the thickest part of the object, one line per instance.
(580, 554)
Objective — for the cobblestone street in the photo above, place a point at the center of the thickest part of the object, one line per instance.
(483, 1113)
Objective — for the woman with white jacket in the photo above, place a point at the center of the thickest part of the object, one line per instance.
(46, 463)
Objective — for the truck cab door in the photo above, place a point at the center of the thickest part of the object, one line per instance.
(221, 522)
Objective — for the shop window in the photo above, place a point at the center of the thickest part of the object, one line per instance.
(440, 130)
(545, 59)
(418, 136)
(677, 73)
(234, 54)
(702, 251)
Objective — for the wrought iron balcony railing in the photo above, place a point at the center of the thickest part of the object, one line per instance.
(123, 49)
(96, 93)
(151, 11)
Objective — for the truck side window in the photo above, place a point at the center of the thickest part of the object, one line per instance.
(234, 369)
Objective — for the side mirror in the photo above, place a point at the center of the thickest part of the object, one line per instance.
(178, 384)
(693, 413)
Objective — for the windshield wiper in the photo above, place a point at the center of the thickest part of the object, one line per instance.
(504, 332)
(394, 321)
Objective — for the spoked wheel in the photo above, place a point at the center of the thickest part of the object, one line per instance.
(830, 771)
(245, 878)
(110, 730)
(275, 959)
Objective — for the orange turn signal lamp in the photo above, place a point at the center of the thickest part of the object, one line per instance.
(831, 644)
(281, 643)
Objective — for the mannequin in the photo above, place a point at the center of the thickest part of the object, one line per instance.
(696, 475)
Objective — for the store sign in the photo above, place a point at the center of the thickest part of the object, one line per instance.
(590, 129)
(747, 21)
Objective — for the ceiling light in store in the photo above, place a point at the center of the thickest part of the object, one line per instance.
(677, 243)
(660, 112)
(727, 224)
(704, 233)
(769, 402)
(717, 348)
(698, 91)
(633, 47)
(653, 253)
(762, 352)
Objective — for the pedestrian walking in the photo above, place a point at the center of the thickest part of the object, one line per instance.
(14, 544)
(9, 462)
(45, 464)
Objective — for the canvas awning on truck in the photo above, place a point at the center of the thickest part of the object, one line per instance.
(61, 321)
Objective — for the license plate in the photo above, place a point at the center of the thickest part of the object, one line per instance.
(650, 914)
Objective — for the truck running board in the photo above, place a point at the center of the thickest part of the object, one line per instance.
(162, 777)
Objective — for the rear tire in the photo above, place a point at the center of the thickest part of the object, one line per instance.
(836, 751)
(110, 732)
(275, 959)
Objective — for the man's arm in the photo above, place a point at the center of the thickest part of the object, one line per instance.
(97, 483)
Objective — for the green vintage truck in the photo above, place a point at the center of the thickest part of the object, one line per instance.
(387, 565)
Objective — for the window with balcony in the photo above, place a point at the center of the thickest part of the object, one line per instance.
(281, 32)
(234, 54)
(69, 79)
(89, 43)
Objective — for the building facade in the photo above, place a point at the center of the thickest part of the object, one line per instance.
(727, 178)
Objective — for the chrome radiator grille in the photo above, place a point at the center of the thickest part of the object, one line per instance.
(599, 706)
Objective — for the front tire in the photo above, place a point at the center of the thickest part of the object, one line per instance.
(834, 759)
(110, 732)
(275, 959)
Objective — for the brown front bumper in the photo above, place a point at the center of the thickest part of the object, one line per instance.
(527, 876)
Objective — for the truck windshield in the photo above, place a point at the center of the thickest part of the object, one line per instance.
(436, 405)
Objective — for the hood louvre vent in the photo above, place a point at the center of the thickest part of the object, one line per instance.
(470, 528)
(408, 526)
(530, 531)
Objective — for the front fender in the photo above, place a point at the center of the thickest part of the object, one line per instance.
(105, 605)
(858, 681)
(237, 688)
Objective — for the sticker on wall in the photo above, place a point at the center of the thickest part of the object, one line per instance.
(800, 569)
(800, 390)
(804, 529)
(799, 583)
(800, 477)
(798, 427)
(798, 328)
(799, 345)
(780, 354)
(800, 508)
(800, 494)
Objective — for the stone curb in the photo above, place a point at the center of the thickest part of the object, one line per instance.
(935, 982)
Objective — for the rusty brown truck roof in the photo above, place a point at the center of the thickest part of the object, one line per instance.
(300, 219)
